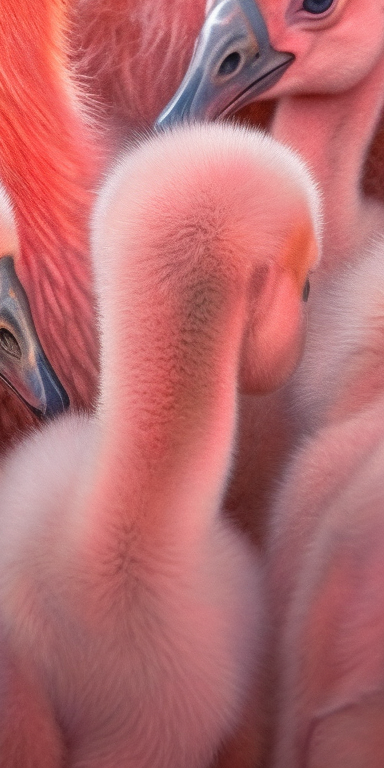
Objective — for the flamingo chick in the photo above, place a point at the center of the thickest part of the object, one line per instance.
(131, 609)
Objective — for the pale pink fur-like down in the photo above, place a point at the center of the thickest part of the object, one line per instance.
(131, 610)
(326, 549)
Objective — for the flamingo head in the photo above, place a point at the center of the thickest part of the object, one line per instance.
(233, 62)
(279, 47)
(24, 366)
(336, 43)
(228, 228)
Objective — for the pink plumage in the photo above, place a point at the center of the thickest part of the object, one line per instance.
(326, 543)
(131, 609)
(326, 547)
(133, 55)
(319, 101)
(49, 165)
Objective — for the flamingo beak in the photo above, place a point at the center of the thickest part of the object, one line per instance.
(232, 63)
(24, 366)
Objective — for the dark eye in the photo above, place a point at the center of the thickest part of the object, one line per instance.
(9, 344)
(317, 6)
(306, 290)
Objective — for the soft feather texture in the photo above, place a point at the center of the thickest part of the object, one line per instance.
(326, 547)
(131, 609)
(132, 56)
(324, 595)
(14, 417)
(328, 107)
(49, 160)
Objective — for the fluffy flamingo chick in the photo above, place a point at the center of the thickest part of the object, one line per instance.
(131, 609)
(327, 545)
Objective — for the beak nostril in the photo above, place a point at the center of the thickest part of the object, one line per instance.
(9, 344)
(230, 64)
(233, 62)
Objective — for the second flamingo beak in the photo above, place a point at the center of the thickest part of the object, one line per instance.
(233, 62)
(23, 364)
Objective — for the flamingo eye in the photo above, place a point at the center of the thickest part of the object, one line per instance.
(317, 6)
(306, 289)
(9, 344)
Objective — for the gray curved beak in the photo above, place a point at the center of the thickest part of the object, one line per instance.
(23, 364)
(233, 62)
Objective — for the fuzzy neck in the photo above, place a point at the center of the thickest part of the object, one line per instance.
(168, 414)
(333, 133)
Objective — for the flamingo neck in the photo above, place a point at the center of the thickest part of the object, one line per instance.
(332, 133)
(168, 417)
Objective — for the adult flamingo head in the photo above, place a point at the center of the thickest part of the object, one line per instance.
(24, 366)
(329, 45)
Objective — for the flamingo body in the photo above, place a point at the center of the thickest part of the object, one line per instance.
(330, 657)
(326, 539)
